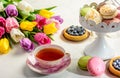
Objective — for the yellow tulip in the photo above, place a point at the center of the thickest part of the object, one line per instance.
(50, 28)
(4, 46)
(46, 13)
(27, 25)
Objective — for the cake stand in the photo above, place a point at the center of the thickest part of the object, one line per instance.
(99, 47)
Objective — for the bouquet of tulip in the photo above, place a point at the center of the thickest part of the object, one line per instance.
(21, 23)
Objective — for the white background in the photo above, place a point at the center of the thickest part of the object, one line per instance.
(13, 64)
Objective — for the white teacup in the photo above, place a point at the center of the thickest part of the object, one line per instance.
(50, 55)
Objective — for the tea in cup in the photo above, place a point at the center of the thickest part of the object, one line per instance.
(50, 55)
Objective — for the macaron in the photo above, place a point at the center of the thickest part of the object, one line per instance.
(108, 9)
(93, 15)
(110, 16)
(114, 66)
(116, 20)
(96, 66)
(118, 14)
(83, 61)
(84, 10)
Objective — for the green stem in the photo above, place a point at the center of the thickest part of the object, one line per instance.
(50, 37)
(4, 15)
(9, 40)
(18, 18)
(23, 19)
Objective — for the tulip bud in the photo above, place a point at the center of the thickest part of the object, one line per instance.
(27, 25)
(4, 46)
(42, 39)
(26, 44)
(45, 13)
(58, 18)
(24, 13)
(1, 7)
(24, 6)
(11, 22)
(50, 28)
(11, 10)
(41, 21)
(16, 34)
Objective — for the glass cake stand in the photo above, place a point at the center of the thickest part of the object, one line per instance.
(99, 47)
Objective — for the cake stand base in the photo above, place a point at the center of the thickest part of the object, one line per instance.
(99, 48)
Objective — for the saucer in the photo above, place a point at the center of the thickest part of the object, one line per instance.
(34, 66)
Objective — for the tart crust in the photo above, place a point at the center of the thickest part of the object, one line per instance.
(76, 38)
(112, 69)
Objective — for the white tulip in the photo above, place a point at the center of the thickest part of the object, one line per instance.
(24, 6)
(16, 34)
(1, 7)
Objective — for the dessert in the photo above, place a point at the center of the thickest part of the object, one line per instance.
(91, 14)
(84, 10)
(83, 61)
(108, 11)
(111, 20)
(94, 15)
(103, 12)
(114, 66)
(96, 66)
(75, 33)
(118, 15)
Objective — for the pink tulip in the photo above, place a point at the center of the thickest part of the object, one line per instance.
(41, 21)
(42, 38)
(2, 31)
(2, 21)
(11, 22)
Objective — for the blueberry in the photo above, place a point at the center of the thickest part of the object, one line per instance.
(116, 66)
(114, 63)
(70, 30)
(76, 34)
(80, 33)
(78, 29)
(71, 33)
(75, 31)
(72, 26)
(117, 61)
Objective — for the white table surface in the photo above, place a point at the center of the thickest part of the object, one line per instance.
(13, 64)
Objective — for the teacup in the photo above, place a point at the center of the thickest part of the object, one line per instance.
(50, 55)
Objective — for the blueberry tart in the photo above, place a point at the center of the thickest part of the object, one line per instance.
(114, 66)
(75, 33)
